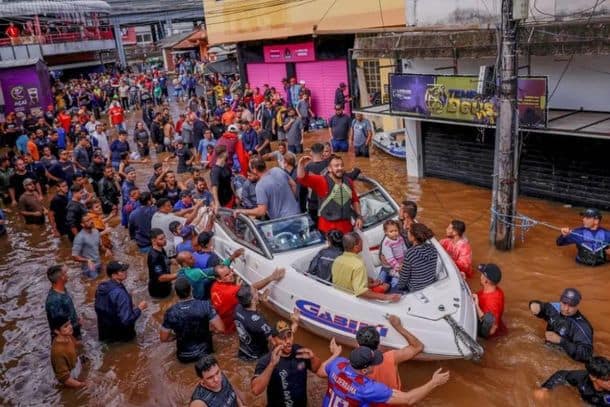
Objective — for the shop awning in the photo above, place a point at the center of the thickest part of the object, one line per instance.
(580, 123)
(225, 67)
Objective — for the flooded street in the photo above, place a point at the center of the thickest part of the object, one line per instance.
(146, 372)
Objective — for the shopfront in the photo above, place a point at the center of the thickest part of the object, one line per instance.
(320, 62)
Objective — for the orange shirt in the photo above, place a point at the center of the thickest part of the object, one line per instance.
(228, 117)
(33, 150)
(386, 372)
(224, 300)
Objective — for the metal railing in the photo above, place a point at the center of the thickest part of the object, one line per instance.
(57, 38)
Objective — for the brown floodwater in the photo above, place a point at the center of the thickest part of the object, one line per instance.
(146, 372)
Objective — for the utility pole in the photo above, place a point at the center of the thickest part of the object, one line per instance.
(506, 156)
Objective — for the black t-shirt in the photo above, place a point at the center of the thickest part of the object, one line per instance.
(190, 321)
(226, 397)
(59, 207)
(75, 211)
(221, 178)
(158, 265)
(253, 331)
(340, 125)
(184, 154)
(288, 384)
(581, 380)
(263, 136)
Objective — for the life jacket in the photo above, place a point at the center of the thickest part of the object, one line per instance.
(338, 203)
(592, 250)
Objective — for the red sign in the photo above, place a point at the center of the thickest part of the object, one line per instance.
(301, 52)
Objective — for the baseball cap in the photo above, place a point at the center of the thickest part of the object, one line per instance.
(363, 357)
(115, 266)
(129, 169)
(591, 213)
(28, 181)
(256, 123)
(204, 238)
(232, 128)
(571, 296)
(178, 140)
(187, 231)
(491, 271)
(281, 329)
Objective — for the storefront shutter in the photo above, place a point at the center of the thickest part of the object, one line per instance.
(271, 74)
(323, 78)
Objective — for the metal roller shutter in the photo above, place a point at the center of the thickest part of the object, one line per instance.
(561, 168)
(323, 78)
(271, 74)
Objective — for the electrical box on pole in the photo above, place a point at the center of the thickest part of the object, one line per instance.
(521, 9)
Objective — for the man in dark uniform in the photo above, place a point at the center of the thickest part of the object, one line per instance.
(566, 326)
(213, 389)
(593, 384)
(592, 241)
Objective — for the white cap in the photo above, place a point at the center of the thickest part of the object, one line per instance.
(302, 82)
(233, 128)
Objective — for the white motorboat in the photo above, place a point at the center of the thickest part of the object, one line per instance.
(441, 315)
(391, 142)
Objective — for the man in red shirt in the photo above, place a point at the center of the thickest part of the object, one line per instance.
(224, 292)
(117, 116)
(490, 302)
(65, 119)
(12, 32)
(337, 198)
(458, 247)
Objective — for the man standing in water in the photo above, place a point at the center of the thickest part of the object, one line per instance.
(59, 302)
(566, 326)
(213, 389)
(591, 240)
(116, 315)
(593, 384)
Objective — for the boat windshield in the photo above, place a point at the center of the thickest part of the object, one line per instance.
(376, 207)
(286, 234)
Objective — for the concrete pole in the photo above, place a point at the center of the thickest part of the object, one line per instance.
(119, 42)
(506, 158)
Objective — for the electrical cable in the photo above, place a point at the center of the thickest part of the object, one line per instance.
(381, 15)
(326, 12)
(265, 13)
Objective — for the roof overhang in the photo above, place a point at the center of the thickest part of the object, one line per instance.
(60, 7)
(579, 123)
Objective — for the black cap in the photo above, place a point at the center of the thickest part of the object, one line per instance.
(185, 193)
(571, 296)
(115, 266)
(204, 238)
(591, 213)
(491, 271)
(363, 357)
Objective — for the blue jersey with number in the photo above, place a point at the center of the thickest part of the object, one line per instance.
(346, 388)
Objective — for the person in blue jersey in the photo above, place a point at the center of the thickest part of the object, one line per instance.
(566, 326)
(350, 386)
(592, 241)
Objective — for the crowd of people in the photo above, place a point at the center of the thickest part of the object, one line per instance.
(77, 172)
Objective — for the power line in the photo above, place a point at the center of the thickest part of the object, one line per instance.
(326, 12)
(265, 13)
(381, 14)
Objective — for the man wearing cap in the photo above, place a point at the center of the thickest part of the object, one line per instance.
(387, 371)
(30, 205)
(116, 315)
(191, 321)
(566, 326)
(233, 145)
(489, 302)
(591, 240)
(86, 247)
(349, 384)
(283, 371)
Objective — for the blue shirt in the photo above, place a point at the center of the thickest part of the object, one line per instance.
(116, 148)
(250, 140)
(590, 243)
(185, 246)
(202, 148)
(178, 206)
(348, 388)
(22, 143)
(3, 224)
(139, 224)
(205, 196)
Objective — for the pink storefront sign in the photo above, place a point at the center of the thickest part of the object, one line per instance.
(282, 53)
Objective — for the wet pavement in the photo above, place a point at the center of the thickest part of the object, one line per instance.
(146, 372)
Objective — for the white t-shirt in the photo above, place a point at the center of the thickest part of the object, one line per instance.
(161, 221)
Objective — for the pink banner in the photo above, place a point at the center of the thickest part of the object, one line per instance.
(281, 53)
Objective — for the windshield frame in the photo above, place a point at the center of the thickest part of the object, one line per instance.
(267, 243)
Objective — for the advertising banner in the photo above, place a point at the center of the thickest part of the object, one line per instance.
(456, 98)
(282, 53)
(26, 89)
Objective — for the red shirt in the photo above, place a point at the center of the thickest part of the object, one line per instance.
(319, 185)
(224, 300)
(116, 115)
(65, 120)
(461, 253)
(494, 302)
(12, 32)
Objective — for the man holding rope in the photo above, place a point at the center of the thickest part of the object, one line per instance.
(591, 240)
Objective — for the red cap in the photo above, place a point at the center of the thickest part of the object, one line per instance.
(256, 123)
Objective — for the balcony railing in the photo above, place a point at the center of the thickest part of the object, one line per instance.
(85, 35)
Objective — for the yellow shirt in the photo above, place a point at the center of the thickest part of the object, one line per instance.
(349, 273)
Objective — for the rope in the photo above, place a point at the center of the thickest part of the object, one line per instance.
(460, 335)
(525, 223)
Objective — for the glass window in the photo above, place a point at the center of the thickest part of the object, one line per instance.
(376, 208)
(241, 231)
(288, 234)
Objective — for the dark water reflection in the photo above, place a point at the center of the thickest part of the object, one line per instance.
(146, 372)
